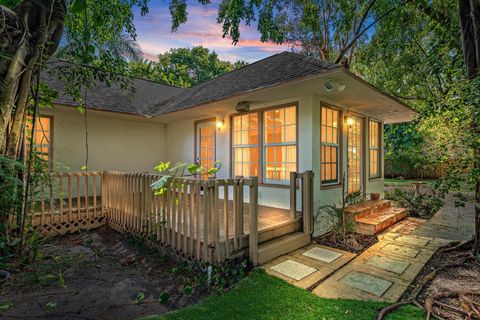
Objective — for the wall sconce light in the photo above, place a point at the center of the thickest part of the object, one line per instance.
(220, 123)
(350, 122)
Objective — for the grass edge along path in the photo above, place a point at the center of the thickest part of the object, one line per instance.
(261, 296)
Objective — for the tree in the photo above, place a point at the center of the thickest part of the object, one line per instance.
(183, 67)
(469, 13)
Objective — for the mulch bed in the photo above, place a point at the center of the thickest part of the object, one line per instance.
(97, 275)
(355, 242)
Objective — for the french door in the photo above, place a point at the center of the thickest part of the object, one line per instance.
(205, 146)
(355, 154)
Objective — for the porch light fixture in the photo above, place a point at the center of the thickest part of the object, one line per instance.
(220, 123)
(350, 122)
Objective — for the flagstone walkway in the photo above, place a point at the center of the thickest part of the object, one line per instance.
(385, 270)
(382, 273)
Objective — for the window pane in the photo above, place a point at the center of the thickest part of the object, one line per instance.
(41, 137)
(329, 140)
(280, 136)
(374, 147)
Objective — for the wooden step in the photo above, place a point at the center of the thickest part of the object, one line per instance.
(272, 249)
(378, 221)
(365, 208)
(279, 230)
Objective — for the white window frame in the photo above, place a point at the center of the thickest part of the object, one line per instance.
(378, 148)
(330, 144)
(281, 144)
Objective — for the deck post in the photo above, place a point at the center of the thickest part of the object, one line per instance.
(293, 194)
(307, 194)
(253, 227)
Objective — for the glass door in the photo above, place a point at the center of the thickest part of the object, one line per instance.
(355, 154)
(205, 146)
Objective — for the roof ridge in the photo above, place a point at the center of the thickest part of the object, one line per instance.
(235, 70)
(308, 59)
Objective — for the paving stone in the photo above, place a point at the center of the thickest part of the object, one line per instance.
(367, 283)
(418, 241)
(388, 264)
(322, 254)
(404, 251)
(293, 269)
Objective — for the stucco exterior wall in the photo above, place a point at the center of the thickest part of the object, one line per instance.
(116, 142)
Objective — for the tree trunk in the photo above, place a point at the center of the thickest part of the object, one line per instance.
(469, 13)
(30, 34)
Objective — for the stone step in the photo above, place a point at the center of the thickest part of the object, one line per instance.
(365, 208)
(378, 221)
(272, 249)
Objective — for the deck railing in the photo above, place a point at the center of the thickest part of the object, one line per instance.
(196, 219)
(66, 202)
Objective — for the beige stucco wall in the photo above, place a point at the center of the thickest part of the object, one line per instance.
(116, 142)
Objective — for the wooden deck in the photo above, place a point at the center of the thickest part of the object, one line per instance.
(205, 220)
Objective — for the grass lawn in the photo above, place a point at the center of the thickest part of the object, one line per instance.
(260, 296)
(407, 183)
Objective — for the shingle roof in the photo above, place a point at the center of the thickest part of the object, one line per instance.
(139, 100)
(152, 99)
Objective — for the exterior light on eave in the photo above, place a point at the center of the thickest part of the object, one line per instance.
(350, 122)
(220, 123)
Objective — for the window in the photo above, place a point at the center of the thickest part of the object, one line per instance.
(374, 148)
(330, 145)
(273, 155)
(205, 146)
(280, 144)
(245, 145)
(42, 138)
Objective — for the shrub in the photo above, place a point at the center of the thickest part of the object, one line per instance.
(423, 206)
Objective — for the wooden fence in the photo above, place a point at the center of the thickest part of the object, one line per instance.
(196, 219)
(66, 202)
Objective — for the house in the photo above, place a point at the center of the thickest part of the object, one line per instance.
(286, 113)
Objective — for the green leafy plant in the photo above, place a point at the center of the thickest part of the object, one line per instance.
(421, 206)
(139, 298)
(163, 297)
(180, 170)
(50, 307)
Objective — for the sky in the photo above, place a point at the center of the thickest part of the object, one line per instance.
(155, 36)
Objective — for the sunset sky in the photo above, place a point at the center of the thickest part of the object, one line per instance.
(154, 35)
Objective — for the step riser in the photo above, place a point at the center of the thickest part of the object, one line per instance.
(290, 227)
(290, 244)
(372, 229)
(358, 214)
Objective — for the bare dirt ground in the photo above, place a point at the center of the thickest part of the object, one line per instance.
(96, 275)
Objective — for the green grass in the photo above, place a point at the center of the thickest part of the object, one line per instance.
(260, 296)
(407, 183)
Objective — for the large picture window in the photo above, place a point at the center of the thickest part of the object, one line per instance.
(42, 138)
(280, 144)
(374, 148)
(271, 156)
(330, 145)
